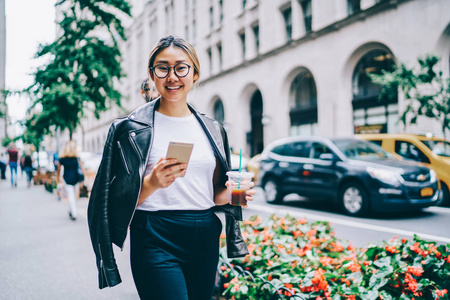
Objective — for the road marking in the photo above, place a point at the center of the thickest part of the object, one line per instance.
(394, 231)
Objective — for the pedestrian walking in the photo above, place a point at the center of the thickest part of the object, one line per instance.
(148, 91)
(13, 159)
(174, 231)
(3, 162)
(71, 163)
(28, 167)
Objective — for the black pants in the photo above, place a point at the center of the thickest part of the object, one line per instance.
(174, 254)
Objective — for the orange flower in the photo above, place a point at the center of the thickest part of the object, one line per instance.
(288, 285)
(441, 293)
(336, 247)
(354, 267)
(297, 233)
(392, 249)
(367, 263)
(251, 248)
(411, 283)
(270, 277)
(416, 271)
(326, 260)
(302, 221)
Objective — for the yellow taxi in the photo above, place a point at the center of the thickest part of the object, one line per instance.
(427, 149)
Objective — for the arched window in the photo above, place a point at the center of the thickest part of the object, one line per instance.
(219, 112)
(371, 114)
(303, 104)
(373, 62)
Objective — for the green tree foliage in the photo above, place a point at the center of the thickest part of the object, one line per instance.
(424, 89)
(83, 66)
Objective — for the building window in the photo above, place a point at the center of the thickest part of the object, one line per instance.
(373, 62)
(244, 2)
(186, 32)
(221, 11)
(307, 15)
(287, 15)
(242, 38)
(219, 51)
(210, 60)
(303, 104)
(370, 113)
(256, 34)
(353, 6)
(211, 17)
(186, 4)
(219, 112)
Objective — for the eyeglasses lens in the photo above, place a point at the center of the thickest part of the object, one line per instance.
(162, 70)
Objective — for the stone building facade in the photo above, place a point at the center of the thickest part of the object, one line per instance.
(3, 119)
(274, 68)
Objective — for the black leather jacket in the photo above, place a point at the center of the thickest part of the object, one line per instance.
(118, 183)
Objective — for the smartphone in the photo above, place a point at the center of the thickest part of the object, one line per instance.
(181, 151)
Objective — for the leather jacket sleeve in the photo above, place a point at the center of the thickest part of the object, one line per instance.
(108, 273)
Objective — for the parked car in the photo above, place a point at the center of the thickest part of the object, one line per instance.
(357, 174)
(432, 151)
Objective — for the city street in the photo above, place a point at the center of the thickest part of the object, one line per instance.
(45, 255)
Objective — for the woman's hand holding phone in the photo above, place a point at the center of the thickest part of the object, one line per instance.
(163, 175)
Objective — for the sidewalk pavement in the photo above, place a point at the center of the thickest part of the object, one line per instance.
(45, 255)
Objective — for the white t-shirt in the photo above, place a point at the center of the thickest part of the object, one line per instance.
(194, 191)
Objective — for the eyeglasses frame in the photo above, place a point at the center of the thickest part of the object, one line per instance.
(171, 67)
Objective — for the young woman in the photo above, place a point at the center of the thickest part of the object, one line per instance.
(69, 160)
(174, 232)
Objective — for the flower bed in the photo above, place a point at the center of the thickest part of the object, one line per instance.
(295, 259)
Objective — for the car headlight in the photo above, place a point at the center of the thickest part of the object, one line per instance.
(433, 176)
(386, 176)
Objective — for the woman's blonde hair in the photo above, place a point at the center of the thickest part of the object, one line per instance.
(70, 149)
(175, 41)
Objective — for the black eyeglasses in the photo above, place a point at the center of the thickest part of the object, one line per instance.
(162, 70)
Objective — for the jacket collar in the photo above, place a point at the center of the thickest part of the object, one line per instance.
(145, 113)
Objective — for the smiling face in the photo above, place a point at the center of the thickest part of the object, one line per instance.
(172, 87)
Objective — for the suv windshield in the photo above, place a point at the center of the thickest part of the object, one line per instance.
(439, 147)
(361, 150)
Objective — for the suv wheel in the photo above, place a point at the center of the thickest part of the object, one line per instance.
(354, 199)
(273, 195)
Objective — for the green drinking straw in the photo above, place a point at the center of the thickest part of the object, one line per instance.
(240, 160)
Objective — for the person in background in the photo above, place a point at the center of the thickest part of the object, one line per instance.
(3, 161)
(69, 160)
(55, 160)
(28, 167)
(174, 231)
(13, 155)
(148, 92)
